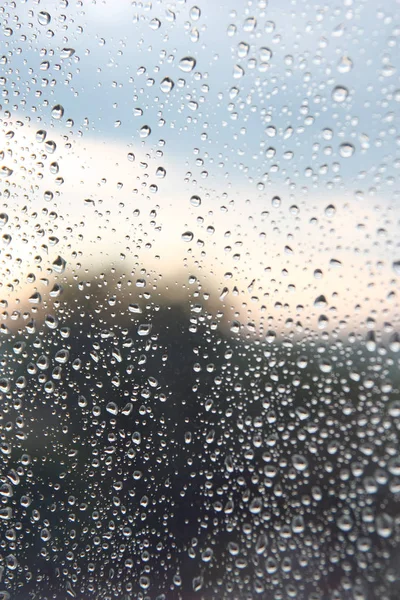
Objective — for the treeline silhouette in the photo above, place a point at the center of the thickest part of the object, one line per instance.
(151, 453)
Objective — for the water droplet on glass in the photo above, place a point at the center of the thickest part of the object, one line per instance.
(250, 24)
(195, 201)
(195, 13)
(187, 64)
(6, 171)
(187, 236)
(67, 53)
(166, 85)
(265, 54)
(339, 94)
(41, 135)
(396, 267)
(59, 265)
(57, 112)
(44, 18)
(345, 64)
(145, 131)
(299, 462)
(144, 329)
(346, 150)
(50, 146)
(155, 24)
(384, 525)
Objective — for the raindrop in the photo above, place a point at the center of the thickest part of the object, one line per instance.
(44, 18)
(59, 264)
(187, 236)
(346, 150)
(345, 522)
(299, 462)
(155, 24)
(144, 329)
(50, 146)
(67, 53)
(195, 201)
(41, 135)
(265, 54)
(384, 525)
(195, 13)
(166, 85)
(187, 64)
(345, 64)
(339, 94)
(145, 131)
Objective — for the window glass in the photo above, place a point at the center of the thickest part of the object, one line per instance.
(200, 265)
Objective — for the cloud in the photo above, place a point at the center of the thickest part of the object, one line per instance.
(263, 255)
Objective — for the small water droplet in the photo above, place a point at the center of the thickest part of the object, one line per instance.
(396, 267)
(339, 94)
(144, 329)
(41, 135)
(195, 13)
(187, 64)
(195, 201)
(50, 146)
(43, 18)
(346, 150)
(187, 236)
(155, 24)
(145, 131)
(265, 54)
(299, 462)
(67, 53)
(345, 64)
(57, 112)
(59, 265)
(166, 85)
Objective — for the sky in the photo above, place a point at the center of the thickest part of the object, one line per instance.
(285, 128)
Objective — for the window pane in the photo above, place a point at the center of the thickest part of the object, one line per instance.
(199, 386)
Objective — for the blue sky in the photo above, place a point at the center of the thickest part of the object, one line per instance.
(277, 129)
(102, 80)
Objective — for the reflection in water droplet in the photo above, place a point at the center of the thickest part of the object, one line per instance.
(43, 18)
(57, 112)
(50, 146)
(265, 54)
(187, 236)
(195, 201)
(6, 171)
(166, 85)
(345, 64)
(195, 13)
(346, 150)
(41, 135)
(145, 131)
(339, 94)
(187, 64)
(67, 53)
